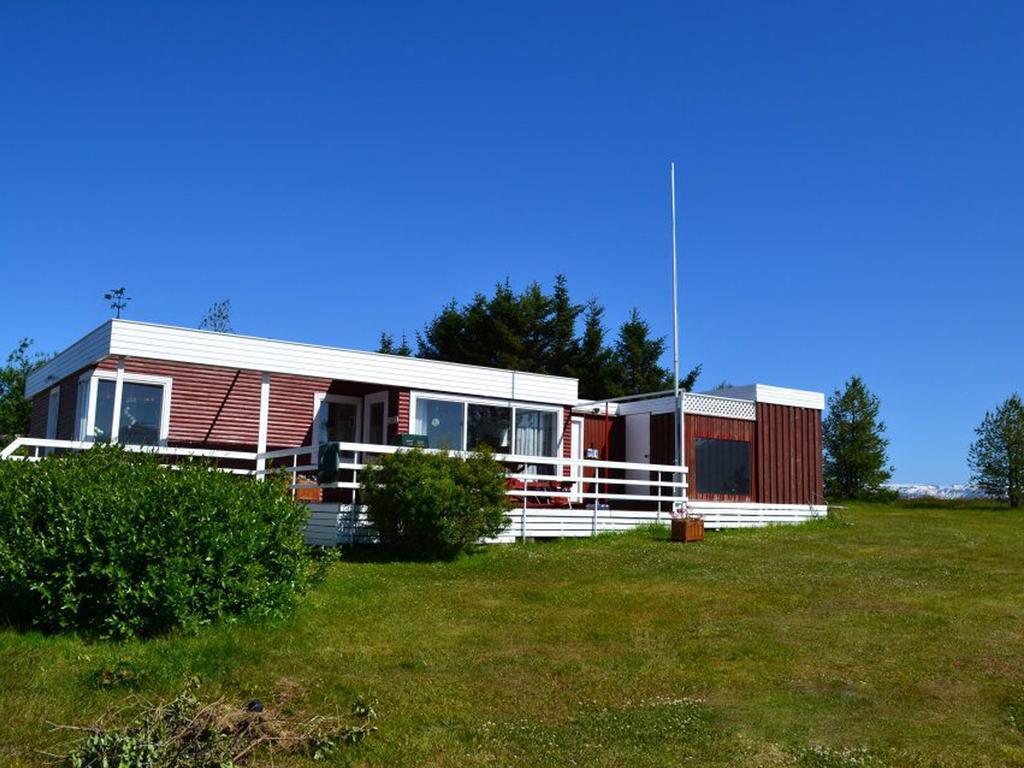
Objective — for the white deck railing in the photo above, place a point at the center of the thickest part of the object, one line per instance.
(578, 497)
(572, 483)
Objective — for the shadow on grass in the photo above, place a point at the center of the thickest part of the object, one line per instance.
(382, 553)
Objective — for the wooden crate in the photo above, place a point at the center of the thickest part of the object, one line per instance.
(688, 529)
(309, 495)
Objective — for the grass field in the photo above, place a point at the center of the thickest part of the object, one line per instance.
(892, 637)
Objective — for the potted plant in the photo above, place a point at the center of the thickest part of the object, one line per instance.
(687, 526)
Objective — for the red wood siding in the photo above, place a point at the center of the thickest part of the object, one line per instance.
(663, 446)
(66, 412)
(290, 411)
(398, 407)
(719, 429)
(37, 424)
(567, 438)
(211, 406)
(789, 457)
(610, 440)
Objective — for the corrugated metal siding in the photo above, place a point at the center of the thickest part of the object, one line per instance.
(789, 455)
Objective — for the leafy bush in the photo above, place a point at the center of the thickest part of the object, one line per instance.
(115, 544)
(435, 504)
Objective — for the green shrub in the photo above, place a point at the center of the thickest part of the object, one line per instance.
(115, 544)
(434, 504)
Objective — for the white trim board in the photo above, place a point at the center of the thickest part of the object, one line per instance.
(161, 342)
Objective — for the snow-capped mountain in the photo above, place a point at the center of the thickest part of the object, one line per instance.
(932, 491)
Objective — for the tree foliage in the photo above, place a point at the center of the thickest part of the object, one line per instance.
(996, 458)
(434, 504)
(217, 317)
(116, 544)
(15, 408)
(387, 345)
(542, 332)
(856, 462)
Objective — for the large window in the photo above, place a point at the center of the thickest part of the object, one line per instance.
(138, 417)
(103, 421)
(141, 413)
(723, 467)
(441, 421)
(463, 425)
(489, 425)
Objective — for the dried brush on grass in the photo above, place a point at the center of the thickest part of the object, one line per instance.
(185, 733)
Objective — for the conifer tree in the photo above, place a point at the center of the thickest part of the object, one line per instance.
(535, 331)
(996, 458)
(856, 462)
(637, 356)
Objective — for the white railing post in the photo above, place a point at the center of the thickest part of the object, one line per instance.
(522, 520)
(295, 474)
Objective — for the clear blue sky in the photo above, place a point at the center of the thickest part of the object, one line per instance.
(851, 179)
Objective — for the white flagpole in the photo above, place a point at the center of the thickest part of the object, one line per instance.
(680, 419)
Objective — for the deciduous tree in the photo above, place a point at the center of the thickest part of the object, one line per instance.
(15, 409)
(217, 317)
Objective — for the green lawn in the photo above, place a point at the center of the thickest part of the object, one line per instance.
(895, 637)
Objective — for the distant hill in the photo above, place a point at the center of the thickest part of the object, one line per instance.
(932, 491)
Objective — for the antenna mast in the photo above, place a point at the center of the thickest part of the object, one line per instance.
(680, 419)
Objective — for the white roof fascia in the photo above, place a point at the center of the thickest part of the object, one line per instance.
(89, 349)
(229, 350)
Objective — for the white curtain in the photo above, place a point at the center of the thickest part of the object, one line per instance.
(535, 432)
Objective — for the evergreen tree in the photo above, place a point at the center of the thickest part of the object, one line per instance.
(561, 342)
(636, 358)
(689, 381)
(15, 409)
(592, 365)
(387, 344)
(996, 458)
(536, 331)
(856, 463)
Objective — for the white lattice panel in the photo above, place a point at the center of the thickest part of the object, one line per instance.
(728, 407)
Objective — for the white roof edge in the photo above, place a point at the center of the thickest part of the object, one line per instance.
(327, 348)
(753, 393)
(89, 349)
(767, 393)
(133, 338)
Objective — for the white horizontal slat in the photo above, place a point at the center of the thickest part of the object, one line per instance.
(236, 351)
(89, 349)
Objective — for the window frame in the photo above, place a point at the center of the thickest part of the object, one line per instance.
(319, 399)
(751, 469)
(120, 377)
(53, 413)
(416, 395)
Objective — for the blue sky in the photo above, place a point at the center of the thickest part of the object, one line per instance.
(850, 179)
